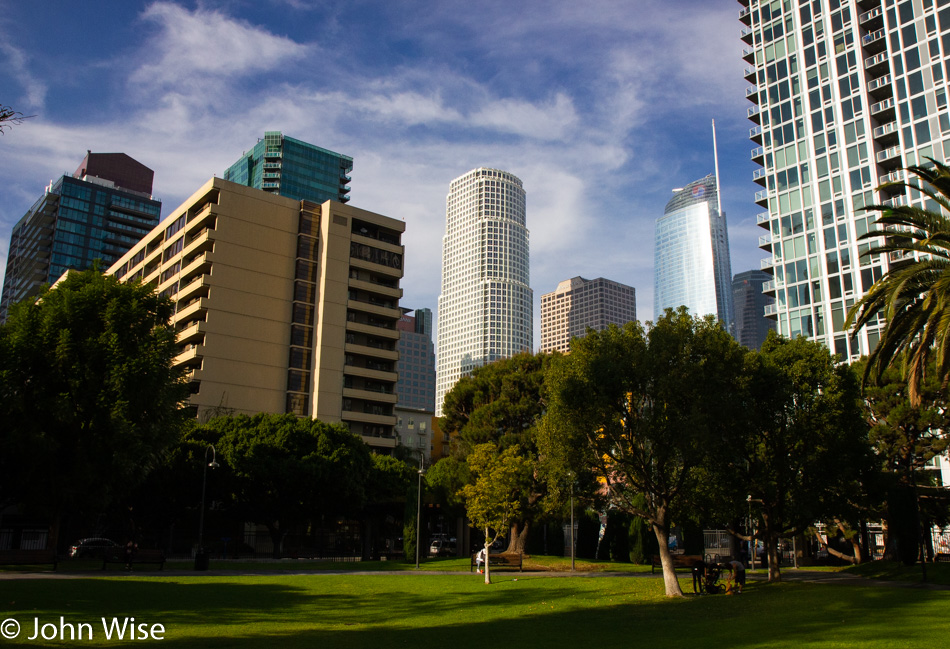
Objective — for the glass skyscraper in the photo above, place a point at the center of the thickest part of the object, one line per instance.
(104, 208)
(295, 169)
(751, 325)
(691, 254)
(485, 308)
(845, 94)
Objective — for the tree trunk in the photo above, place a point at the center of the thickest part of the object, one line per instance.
(855, 540)
(661, 528)
(518, 537)
(771, 548)
(487, 552)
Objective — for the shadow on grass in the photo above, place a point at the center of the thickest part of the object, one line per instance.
(347, 611)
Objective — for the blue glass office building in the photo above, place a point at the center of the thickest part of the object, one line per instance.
(295, 169)
(97, 213)
(691, 254)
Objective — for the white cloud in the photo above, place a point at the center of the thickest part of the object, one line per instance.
(553, 121)
(17, 65)
(208, 44)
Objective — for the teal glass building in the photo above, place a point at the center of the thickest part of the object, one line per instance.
(295, 169)
(691, 254)
(97, 213)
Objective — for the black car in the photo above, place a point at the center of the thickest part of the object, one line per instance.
(94, 547)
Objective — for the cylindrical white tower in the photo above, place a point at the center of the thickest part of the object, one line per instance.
(485, 307)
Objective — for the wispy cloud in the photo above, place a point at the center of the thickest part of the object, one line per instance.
(17, 63)
(208, 43)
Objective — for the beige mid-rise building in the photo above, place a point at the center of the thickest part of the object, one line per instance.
(281, 305)
(579, 304)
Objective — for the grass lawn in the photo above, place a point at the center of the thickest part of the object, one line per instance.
(329, 611)
(937, 573)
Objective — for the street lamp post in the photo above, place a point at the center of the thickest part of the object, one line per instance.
(572, 523)
(204, 481)
(419, 508)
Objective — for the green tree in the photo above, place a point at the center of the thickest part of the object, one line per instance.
(494, 499)
(906, 438)
(286, 470)
(913, 298)
(501, 403)
(641, 409)
(88, 395)
(801, 450)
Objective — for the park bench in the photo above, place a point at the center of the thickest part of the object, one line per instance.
(503, 560)
(689, 561)
(28, 557)
(138, 556)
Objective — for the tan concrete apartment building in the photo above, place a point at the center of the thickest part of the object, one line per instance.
(281, 305)
(579, 304)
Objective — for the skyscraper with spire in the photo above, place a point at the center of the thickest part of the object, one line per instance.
(691, 254)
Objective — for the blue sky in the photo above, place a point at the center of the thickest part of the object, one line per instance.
(601, 108)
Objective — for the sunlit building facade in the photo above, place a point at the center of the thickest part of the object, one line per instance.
(579, 304)
(95, 214)
(282, 165)
(845, 95)
(691, 254)
(485, 307)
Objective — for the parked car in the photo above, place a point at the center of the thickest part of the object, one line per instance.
(94, 547)
(442, 548)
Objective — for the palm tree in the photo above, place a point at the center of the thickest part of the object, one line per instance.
(914, 296)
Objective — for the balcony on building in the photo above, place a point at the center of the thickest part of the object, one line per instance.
(890, 157)
(759, 176)
(763, 220)
(883, 111)
(887, 134)
(762, 198)
(771, 311)
(747, 35)
(876, 65)
(768, 288)
(272, 155)
(758, 154)
(749, 73)
(893, 177)
(754, 113)
(755, 134)
(748, 54)
(875, 41)
(768, 264)
(880, 88)
(868, 5)
(765, 242)
(872, 20)
(745, 15)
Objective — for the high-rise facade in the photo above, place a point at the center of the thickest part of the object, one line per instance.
(97, 213)
(281, 305)
(283, 165)
(485, 307)
(691, 254)
(416, 386)
(751, 325)
(845, 95)
(579, 304)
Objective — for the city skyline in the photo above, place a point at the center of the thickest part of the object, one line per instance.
(598, 138)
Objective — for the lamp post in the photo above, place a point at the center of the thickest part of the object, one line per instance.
(419, 507)
(204, 481)
(572, 522)
(752, 548)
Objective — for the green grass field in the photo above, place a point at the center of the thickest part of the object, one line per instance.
(459, 611)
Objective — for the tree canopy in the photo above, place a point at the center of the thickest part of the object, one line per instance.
(641, 408)
(285, 470)
(88, 394)
(500, 403)
(913, 298)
